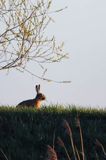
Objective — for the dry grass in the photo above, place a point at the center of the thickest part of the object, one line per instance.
(51, 153)
(77, 155)
(3, 155)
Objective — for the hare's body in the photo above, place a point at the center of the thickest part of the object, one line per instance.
(27, 103)
(36, 102)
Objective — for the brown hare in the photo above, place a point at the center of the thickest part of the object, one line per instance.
(36, 102)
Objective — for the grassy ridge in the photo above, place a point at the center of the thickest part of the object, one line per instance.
(25, 133)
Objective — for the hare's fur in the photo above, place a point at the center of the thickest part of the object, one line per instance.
(36, 102)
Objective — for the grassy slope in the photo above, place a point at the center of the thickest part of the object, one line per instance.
(25, 133)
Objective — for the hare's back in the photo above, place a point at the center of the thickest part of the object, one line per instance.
(27, 103)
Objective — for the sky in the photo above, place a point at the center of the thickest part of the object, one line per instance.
(82, 27)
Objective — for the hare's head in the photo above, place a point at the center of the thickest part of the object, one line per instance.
(39, 96)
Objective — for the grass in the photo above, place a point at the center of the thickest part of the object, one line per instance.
(26, 133)
(77, 154)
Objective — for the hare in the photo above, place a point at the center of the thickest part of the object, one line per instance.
(36, 102)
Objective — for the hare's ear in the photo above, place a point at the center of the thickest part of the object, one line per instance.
(38, 88)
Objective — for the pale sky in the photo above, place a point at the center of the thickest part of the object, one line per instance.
(82, 26)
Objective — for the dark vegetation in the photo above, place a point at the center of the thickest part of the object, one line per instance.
(25, 133)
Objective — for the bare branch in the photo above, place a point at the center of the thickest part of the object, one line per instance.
(23, 36)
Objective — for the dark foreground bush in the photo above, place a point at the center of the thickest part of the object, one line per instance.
(25, 133)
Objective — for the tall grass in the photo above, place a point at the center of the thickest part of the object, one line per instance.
(25, 133)
(77, 154)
